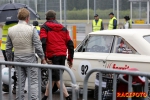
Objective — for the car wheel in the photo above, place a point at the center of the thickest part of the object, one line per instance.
(5, 88)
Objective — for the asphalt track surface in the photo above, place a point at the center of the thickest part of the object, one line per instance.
(56, 96)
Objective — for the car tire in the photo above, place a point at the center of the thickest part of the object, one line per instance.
(5, 88)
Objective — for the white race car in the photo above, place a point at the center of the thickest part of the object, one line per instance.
(113, 49)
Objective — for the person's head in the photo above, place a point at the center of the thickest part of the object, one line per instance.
(23, 14)
(51, 15)
(122, 41)
(111, 15)
(35, 23)
(96, 17)
(127, 18)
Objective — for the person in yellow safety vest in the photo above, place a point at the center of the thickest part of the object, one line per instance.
(112, 22)
(97, 24)
(128, 22)
(36, 24)
(5, 28)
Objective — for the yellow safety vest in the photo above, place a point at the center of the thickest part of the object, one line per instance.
(110, 26)
(38, 28)
(130, 23)
(4, 35)
(97, 27)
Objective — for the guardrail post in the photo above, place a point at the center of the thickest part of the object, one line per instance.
(146, 88)
(19, 81)
(74, 97)
(129, 85)
(74, 31)
(39, 82)
(50, 84)
(0, 82)
(29, 84)
(100, 86)
(85, 85)
(10, 94)
(114, 86)
(61, 86)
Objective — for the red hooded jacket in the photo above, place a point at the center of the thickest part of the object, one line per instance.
(56, 40)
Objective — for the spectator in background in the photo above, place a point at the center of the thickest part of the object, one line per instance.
(36, 24)
(97, 24)
(112, 22)
(128, 22)
(5, 28)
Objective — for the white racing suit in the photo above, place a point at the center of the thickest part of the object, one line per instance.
(26, 42)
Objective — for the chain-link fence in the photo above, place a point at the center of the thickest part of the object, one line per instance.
(76, 10)
(139, 13)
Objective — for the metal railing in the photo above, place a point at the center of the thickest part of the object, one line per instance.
(114, 72)
(39, 66)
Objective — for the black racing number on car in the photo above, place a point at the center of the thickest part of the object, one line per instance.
(84, 69)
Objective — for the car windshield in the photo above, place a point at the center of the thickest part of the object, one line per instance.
(147, 38)
(99, 44)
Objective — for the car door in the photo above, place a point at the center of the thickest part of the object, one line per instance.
(91, 53)
(124, 56)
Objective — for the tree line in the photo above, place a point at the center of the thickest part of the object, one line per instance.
(100, 4)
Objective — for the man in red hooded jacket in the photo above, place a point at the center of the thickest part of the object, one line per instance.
(55, 41)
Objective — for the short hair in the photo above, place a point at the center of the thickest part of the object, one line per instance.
(50, 14)
(35, 23)
(127, 18)
(23, 14)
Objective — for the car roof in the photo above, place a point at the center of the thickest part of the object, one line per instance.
(123, 32)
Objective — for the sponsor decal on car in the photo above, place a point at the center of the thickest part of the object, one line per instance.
(115, 66)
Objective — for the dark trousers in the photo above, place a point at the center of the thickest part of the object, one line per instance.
(57, 60)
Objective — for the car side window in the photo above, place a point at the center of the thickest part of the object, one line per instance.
(81, 45)
(98, 43)
(123, 47)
